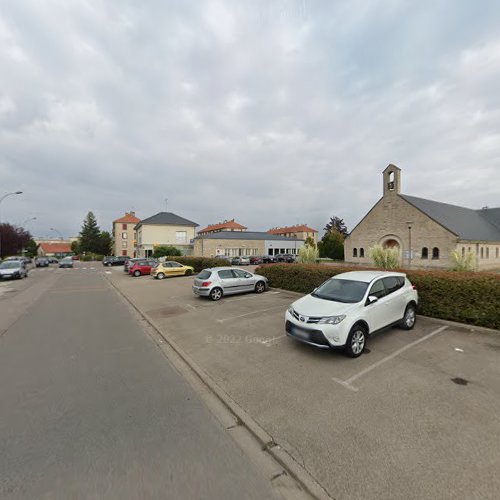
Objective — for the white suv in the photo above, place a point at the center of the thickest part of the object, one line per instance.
(348, 307)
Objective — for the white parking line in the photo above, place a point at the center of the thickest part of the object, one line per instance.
(348, 383)
(249, 314)
(229, 300)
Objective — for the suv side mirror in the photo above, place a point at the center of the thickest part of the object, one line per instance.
(371, 300)
(248, 275)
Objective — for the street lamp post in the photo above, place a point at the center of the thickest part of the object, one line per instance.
(409, 224)
(58, 232)
(1, 199)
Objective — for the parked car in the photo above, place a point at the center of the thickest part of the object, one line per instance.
(347, 308)
(53, 260)
(66, 262)
(240, 261)
(219, 281)
(75, 257)
(254, 260)
(285, 257)
(142, 267)
(42, 262)
(269, 259)
(14, 269)
(129, 263)
(115, 261)
(170, 268)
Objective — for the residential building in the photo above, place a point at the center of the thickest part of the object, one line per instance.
(424, 231)
(227, 225)
(245, 243)
(54, 248)
(165, 229)
(124, 235)
(300, 231)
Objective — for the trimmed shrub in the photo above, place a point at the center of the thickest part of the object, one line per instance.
(472, 298)
(165, 251)
(90, 257)
(200, 263)
(308, 255)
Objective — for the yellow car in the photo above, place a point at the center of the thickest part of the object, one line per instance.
(169, 268)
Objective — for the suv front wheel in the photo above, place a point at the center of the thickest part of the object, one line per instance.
(356, 341)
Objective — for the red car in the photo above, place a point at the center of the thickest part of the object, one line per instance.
(142, 267)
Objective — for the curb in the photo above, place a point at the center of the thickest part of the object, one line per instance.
(294, 469)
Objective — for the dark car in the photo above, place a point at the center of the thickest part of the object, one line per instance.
(269, 259)
(254, 260)
(142, 267)
(42, 262)
(114, 261)
(53, 260)
(285, 257)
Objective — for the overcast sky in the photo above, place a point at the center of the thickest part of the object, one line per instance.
(271, 112)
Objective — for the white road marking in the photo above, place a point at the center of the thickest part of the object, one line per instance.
(249, 314)
(458, 349)
(108, 272)
(190, 307)
(229, 300)
(268, 342)
(348, 383)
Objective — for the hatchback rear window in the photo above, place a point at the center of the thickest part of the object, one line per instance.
(204, 274)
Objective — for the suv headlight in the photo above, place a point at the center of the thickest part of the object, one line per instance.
(290, 310)
(331, 320)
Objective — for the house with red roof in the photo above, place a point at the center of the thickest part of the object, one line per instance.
(300, 231)
(227, 225)
(51, 249)
(124, 235)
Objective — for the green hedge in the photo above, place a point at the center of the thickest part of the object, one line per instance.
(472, 298)
(200, 263)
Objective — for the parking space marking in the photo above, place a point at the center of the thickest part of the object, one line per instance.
(226, 300)
(267, 342)
(249, 314)
(348, 383)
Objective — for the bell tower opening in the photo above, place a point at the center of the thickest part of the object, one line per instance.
(392, 180)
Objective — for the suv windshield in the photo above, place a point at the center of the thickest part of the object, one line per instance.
(340, 290)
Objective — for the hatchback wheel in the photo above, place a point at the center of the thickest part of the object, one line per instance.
(410, 317)
(137, 273)
(356, 341)
(260, 287)
(188, 272)
(160, 276)
(216, 294)
(109, 264)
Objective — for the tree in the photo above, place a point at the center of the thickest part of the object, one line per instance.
(105, 243)
(75, 247)
(332, 245)
(31, 248)
(338, 224)
(310, 242)
(12, 239)
(165, 251)
(90, 235)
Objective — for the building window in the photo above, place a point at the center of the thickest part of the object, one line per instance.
(496, 253)
(180, 236)
(124, 226)
(124, 252)
(425, 253)
(124, 244)
(354, 252)
(361, 252)
(124, 236)
(463, 251)
(482, 253)
(487, 252)
(435, 253)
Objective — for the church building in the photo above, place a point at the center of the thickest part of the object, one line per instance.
(425, 232)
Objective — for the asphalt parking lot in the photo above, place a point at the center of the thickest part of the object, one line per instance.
(416, 416)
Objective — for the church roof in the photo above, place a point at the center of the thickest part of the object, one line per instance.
(466, 223)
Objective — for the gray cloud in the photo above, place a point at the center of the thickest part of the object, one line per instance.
(271, 112)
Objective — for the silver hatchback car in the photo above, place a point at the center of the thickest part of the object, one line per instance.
(218, 281)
